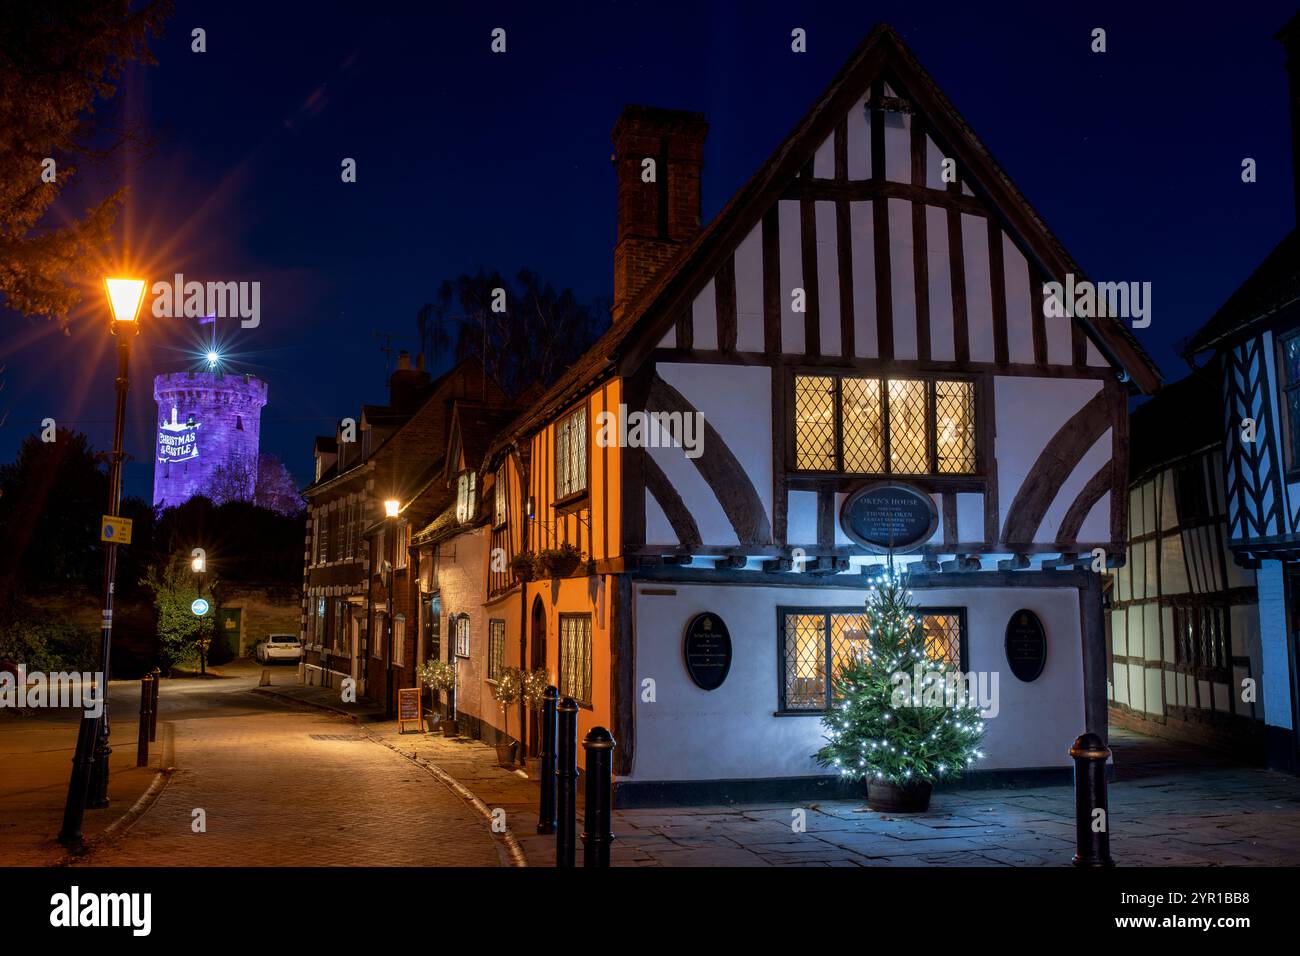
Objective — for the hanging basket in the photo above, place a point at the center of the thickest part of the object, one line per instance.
(889, 797)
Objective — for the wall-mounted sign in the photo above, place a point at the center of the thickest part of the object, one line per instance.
(408, 708)
(177, 440)
(199, 607)
(707, 650)
(889, 516)
(1026, 645)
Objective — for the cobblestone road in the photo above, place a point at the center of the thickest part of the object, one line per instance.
(281, 786)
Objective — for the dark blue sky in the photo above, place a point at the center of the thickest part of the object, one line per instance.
(466, 158)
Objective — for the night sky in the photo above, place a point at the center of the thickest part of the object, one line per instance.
(467, 159)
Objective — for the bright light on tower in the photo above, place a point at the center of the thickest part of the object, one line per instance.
(213, 359)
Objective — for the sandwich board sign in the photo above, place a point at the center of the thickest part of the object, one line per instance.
(408, 708)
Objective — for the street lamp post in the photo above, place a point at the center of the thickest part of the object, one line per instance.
(391, 509)
(199, 565)
(88, 785)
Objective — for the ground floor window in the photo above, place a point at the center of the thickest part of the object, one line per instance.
(496, 649)
(575, 657)
(811, 637)
(1200, 638)
(462, 636)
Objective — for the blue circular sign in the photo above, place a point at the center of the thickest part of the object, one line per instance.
(199, 607)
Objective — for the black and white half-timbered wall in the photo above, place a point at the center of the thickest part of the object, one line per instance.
(861, 328)
(1184, 617)
(1253, 345)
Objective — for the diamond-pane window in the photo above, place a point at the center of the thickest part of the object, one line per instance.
(812, 636)
(814, 422)
(864, 425)
(571, 454)
(575, 657)
(909, 452)
(805, 662)
(847, 423)
(943, 637)
(954, 427)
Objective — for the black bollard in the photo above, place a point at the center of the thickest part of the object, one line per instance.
(546, 810)
(596, 834)
(153, 716)
(146, 718)
(1093, 839)
(566, 802)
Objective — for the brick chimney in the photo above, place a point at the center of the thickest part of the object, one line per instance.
(655, 219)
(406, 384)
(1289, 36)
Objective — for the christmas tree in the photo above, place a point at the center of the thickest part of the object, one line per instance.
(899, 714)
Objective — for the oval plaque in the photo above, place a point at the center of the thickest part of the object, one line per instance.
(1026, 645)
(707, 650)
(889, 516)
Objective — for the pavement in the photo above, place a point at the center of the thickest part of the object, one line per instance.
(36, 749)
(1170, 805)
(290, 775)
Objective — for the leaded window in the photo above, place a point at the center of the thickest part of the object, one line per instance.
(575, 657)
(462, 636)
(499, 488)
(812, 636)
(1291, 397)
(1200, 638)
(900, 426)
(496, 649)
(571, 454)
(465, 498)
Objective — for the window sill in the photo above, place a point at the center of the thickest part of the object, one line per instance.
(799, 713)
(571, 501)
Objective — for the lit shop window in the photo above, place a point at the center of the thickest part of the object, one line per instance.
(571, 455)
(462, 636)
(900, 426)
(810, 637)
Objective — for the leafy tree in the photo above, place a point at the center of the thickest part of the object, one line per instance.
(60, 60)
(183, 637)
(51, 499)
(529, 335)
(885, 725)
(276, 488)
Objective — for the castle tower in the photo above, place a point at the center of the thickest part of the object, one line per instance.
(209, 425)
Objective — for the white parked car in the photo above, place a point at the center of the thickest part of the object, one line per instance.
(279, 647)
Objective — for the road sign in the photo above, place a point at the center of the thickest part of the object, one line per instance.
(199, 607)
(116, 530)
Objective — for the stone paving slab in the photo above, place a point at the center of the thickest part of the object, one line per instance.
(1197, 812)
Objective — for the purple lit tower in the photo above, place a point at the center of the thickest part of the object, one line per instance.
(207, 440)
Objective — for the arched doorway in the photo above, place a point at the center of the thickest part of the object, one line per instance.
(537, 658)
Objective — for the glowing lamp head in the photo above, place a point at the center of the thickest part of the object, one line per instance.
(124, 298)
(198, 565)
(390, 507)
(213, 358)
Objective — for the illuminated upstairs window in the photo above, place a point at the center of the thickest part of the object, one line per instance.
(884, 426)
